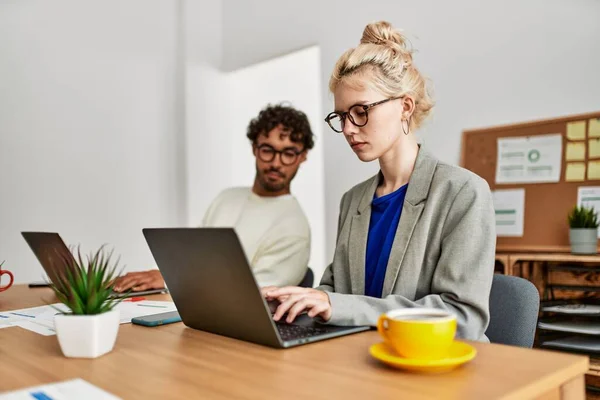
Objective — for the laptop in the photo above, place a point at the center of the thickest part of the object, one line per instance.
(50, 250)
(214, 289)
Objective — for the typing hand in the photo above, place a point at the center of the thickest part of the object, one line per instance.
(138, 281)
(294, 300)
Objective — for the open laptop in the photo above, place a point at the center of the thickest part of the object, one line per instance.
(50, 250)
(214, 290)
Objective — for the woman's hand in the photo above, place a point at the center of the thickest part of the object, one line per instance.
(293, 300)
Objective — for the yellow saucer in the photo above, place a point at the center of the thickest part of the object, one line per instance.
(458, 354)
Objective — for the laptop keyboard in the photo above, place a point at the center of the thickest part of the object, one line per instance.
(291, 332)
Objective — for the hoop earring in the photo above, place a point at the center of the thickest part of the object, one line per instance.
(407, 130)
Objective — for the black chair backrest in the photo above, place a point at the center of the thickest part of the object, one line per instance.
(308, 279)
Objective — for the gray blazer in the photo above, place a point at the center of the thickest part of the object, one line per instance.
(442, 255)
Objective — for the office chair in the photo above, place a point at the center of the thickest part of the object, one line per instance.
(514, 308)
(308, 279)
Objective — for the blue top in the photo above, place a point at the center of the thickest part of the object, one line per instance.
(385, 215)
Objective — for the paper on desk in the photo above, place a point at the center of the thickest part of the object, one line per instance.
(36, 319)
(6, 320)
(129, 310)
(41, 319)
(36, 327)
(4, 324)
(75, 389)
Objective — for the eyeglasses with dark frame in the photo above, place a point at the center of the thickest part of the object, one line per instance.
(287, 156)
(357, 114)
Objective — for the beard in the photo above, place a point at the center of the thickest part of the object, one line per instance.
(271, 186)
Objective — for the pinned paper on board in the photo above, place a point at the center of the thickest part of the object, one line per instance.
(529, 159)
(575, 151)
(594, 170)
(575, 172)
(594, 127)
(594, 148)
(509, 207)
(589, 196)
(576, 130)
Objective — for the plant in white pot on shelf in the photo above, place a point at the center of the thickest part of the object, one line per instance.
(583, 234)
(89, 329)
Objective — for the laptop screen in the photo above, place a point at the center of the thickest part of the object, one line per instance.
(50, 251)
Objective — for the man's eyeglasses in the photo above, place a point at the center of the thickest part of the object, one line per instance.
(357, 114)
(287, 156)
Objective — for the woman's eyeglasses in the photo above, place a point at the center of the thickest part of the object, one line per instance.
(357, 114)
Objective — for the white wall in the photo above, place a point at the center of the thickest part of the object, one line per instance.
(93, 105)
(490, 62)
(89, 131)
(293, 78)
(207, 135)
(219, 107)
(115, 116)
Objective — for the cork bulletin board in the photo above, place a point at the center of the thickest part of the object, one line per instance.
(546, 204)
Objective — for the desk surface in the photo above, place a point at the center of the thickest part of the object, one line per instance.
(174, 362)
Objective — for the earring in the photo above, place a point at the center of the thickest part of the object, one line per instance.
(407, 130)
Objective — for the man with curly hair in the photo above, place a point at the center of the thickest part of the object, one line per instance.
(268, 220)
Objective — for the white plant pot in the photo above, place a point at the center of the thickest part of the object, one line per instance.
(584, 240)
(87, 336)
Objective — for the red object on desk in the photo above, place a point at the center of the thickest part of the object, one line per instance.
(133, 299)
(10, 278)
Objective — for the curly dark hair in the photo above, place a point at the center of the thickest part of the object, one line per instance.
(294, 121)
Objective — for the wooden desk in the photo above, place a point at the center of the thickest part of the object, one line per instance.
(175, 362)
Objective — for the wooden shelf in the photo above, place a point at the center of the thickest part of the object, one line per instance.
(594, 366)
(567, 276)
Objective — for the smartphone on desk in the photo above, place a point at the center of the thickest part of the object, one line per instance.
(157, 319)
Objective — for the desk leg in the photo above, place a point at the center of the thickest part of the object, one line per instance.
(512, 265)
(574, 389)
(537, 276)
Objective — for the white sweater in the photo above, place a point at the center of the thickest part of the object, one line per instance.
(273, 231)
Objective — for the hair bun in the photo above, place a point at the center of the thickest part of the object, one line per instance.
(382, 32)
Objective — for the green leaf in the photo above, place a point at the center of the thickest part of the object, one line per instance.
(582, 217)
(84, 284)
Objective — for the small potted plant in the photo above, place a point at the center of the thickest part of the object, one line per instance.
(90, 328)
(583, 234)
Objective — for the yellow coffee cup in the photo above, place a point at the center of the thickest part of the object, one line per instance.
(418, 333)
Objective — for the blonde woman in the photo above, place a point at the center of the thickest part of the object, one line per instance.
(421, 233)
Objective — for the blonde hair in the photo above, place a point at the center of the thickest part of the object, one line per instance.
(383, 52)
